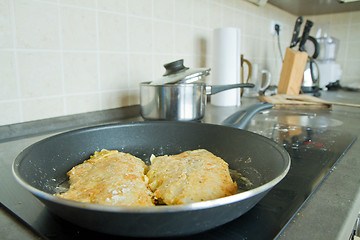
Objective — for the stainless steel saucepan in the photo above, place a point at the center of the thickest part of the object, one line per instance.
(180, 94)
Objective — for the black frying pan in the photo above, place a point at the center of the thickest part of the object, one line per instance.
(41, 168)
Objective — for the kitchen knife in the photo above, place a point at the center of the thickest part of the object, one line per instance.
(296, 31)
(305, 35)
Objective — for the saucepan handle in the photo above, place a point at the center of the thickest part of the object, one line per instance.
(210, 90)
(240, 119)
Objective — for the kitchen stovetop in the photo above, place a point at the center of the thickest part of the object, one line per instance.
(314, 143)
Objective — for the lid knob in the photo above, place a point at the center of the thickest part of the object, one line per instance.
(175, 67)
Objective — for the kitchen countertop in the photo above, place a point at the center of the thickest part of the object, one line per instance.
(330, 213)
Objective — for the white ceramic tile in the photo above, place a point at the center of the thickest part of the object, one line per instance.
(114, 99)
(37, 24)
(267, 12)
(201, 13)
(271, 49)
(322, 19)
(249, 26)
(80, 3)
(183, 11)
(342, 53)
(355, 17)
(163, 37)
(241, 5)
(229, 3)
(341, 18)
(134, 97)
(82, 103)
(39, 74)
(340, 32)
(140, 69)
(215, 15)
(254, 8)
(113, 71)
(34, 109)
(9, 88)
(353, 51)
(141, 8)
(9, 112)
(78, 28)
(228, 17)
(183, 39)
(263, 29)
(352, 68)
(112, 32)
(80, 72)
(164, 9)
(140, 35)
(6, 40)
(201, 42)
(51, 1)
(251, 48)
(354, 32)
(113, 5)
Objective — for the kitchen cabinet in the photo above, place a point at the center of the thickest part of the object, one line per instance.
(315, 7)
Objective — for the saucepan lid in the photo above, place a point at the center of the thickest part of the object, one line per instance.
(177, 73)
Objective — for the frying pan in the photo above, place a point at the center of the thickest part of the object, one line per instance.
(41, 168)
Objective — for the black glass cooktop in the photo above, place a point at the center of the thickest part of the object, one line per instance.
(314, 152)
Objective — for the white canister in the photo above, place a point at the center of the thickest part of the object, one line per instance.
(226, 65)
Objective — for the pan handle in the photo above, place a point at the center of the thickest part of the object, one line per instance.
(210, 90)
(240, 119)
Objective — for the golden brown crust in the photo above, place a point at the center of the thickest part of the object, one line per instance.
(190, 177)
(118, 179)
(110, 178)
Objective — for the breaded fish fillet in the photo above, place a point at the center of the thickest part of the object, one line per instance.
(111, 178)
(190, 177)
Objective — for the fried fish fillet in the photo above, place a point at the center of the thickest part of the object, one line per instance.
(189, 177)
(111, 178)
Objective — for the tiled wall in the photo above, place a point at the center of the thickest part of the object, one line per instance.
(61, 57)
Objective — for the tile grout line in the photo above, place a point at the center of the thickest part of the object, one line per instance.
(128, 50)
(98, 54)
(64, 100)
(152, 39)
(173, 32)
(66, 95)
(16, 62)
(349, 25)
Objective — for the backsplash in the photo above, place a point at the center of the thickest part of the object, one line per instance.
(61, 57)
(346, 28)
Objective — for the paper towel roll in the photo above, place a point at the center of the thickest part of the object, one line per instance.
(226, 65)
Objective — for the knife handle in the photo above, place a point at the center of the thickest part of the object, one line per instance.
(305, 35)
(296, 31)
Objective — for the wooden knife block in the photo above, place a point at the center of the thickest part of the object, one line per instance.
(292, 72)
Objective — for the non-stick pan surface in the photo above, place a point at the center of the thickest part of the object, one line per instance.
(42, 167)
